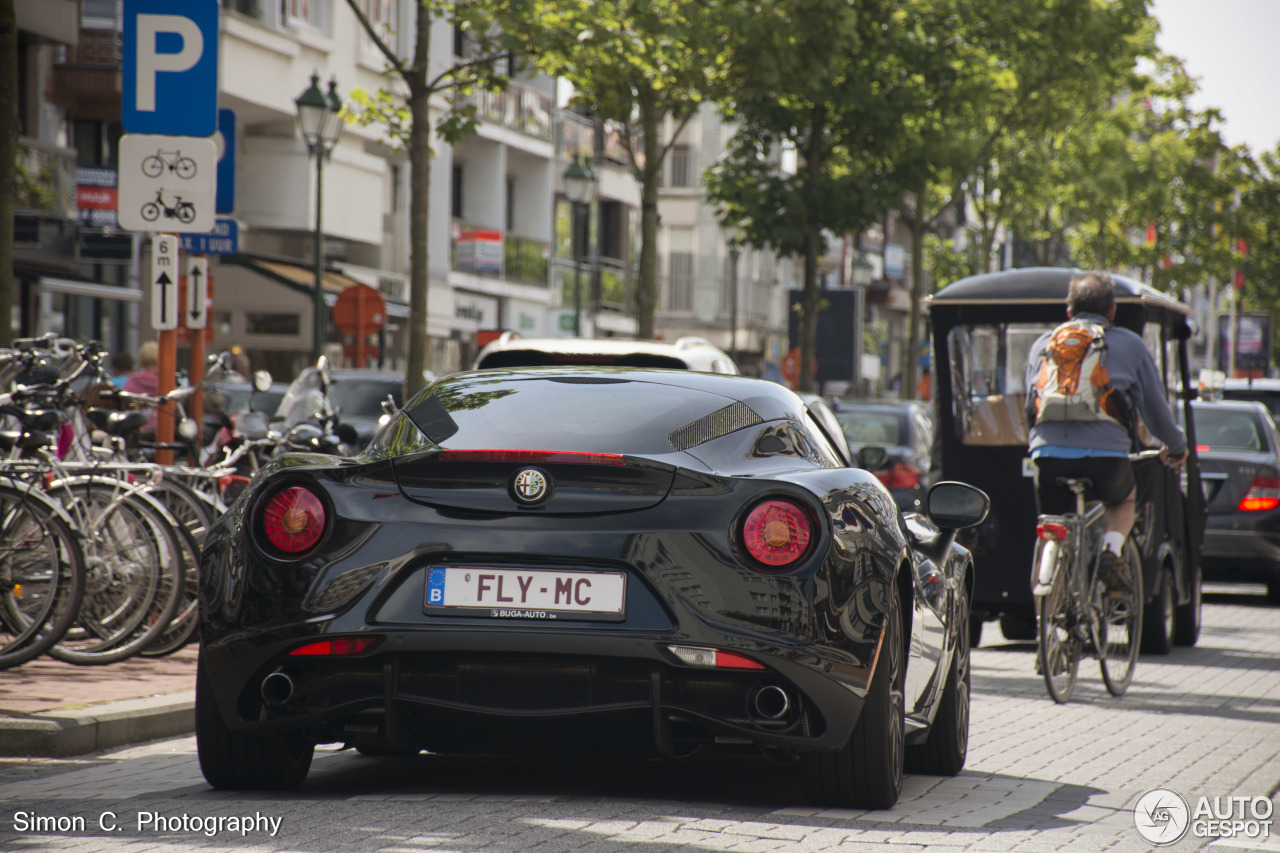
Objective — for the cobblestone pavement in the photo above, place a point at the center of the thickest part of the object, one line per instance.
(1041, 777)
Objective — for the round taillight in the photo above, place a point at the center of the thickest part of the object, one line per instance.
(293, 520)
(777, 533)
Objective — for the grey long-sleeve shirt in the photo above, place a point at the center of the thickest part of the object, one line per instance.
(1134, 373)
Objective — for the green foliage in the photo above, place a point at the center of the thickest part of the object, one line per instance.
(382, 108)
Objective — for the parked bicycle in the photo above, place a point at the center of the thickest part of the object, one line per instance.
(181, 210)
(155, 165)
(1077, 614)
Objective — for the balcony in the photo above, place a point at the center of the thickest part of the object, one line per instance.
(517, 108)
(493, 254)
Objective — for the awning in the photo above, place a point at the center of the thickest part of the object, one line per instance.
(301, 279)
(84, 288)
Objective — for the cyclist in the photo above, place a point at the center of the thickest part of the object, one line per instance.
(1098, 447)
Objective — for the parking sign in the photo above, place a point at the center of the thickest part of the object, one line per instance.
(170, 67)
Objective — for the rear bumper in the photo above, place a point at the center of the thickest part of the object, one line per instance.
(1240, 554)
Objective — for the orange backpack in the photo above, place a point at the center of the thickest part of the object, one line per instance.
(1073, 383)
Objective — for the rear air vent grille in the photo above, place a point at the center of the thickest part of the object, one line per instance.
(726, 420)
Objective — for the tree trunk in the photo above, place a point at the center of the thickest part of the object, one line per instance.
(8, 161)
(418, 356)
(811, 296)
(918, 228)
(647, 286)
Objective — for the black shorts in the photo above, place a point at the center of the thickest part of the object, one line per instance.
(1112, 478)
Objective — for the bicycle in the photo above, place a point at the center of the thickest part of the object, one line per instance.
(1076, 613)
(154, 165)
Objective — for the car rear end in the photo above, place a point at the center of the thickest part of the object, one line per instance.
(1239, 452)
(502, 580)
(898, 428)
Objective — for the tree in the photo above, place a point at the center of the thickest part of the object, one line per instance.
(830, 81)
(411, 126)
(1021, 71)
(636, 64)
(8, 161)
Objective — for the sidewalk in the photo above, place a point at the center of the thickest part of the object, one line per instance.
(49, 708)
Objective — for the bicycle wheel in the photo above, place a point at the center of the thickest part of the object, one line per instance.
(186, 168)
(186, 213)
(41, 577)
(182, 628)
(135, 573)
(1059, 641)
(152, 166)
(150, 211)
(1120, 626)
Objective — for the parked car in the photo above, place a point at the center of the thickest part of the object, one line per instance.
(523, 563)
(1265, 391)
(1239, 449)
(904, 428)
(511, 350)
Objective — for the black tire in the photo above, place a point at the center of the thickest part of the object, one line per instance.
(239, 762)
(975, 632)
(1058, 654)
(1120, 629)
(1017, 629)
(1273, 592)
(866, 773)
(1158, 618)
(947, 747)
(386, 752)
(1186, 617)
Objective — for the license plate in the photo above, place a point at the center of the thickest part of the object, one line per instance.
(526, 593)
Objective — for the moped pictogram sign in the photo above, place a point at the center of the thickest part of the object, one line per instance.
(167, 183)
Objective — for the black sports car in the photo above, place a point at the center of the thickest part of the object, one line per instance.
(557, 559)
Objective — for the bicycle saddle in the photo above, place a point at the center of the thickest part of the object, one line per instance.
(24, 440)
(1072, 482)
(117, 423)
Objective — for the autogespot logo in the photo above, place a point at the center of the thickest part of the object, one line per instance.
(1161, 816)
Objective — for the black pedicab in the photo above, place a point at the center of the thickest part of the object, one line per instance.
(983, 329)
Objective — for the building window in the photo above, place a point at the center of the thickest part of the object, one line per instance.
(456, 191)
(680, 281)
(382, 16)
(101, 15)
(271, 324)
(681, 166)
(459, 42)
(312, 13)
(511, 203)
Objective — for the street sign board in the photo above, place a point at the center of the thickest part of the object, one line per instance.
(167, 183)
(164, 282)
(170, 53)
(224, 239)
(225, 139)
(197, 292)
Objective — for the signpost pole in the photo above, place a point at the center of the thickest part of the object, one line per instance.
(166, 368)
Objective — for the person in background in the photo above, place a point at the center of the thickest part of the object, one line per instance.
(924, 388)
(145, 380)
(121, 367)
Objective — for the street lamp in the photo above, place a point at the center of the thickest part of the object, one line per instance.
(580, 183)
(321, 127)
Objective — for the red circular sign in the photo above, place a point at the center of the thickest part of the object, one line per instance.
(360, 311)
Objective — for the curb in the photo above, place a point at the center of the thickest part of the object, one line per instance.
(60, 733)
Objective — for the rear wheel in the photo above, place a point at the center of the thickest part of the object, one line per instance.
(246, 762)
(1120, 627)
(947, 747)
(1060, 640)
(1158, 617)
(866, 773)
(1186, 617)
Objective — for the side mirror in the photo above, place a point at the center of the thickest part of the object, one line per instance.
(872, 457)
(952, 505)
(262, 381)
(325, 371)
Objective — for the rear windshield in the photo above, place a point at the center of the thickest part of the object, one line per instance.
(363, 395)
(600, 415)
(878, 428)
(1270, 399)
(540, 358)
(1224, 429)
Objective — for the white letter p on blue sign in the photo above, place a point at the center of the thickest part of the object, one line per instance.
(170, 67)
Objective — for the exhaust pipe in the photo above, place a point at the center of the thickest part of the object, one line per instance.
(771, 702)
(277, 689)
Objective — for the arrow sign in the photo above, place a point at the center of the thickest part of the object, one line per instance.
(164, 284)
(197, 292)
